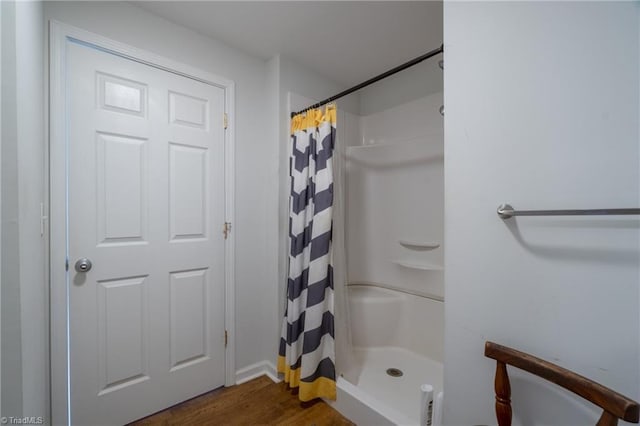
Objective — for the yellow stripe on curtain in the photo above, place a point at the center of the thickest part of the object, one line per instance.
(292, 377)
(313, 117)
(321, 387)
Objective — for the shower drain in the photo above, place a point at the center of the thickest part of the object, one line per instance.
(394, 372)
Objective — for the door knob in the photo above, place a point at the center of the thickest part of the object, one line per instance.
(83, 265)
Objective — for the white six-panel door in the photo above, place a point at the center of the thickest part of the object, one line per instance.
(146, 207)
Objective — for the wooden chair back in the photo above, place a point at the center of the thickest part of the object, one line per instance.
(615, 405)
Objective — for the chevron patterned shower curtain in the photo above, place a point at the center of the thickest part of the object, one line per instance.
(307, 353)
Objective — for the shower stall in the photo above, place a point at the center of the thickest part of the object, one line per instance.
(390, 214)
(387, 244)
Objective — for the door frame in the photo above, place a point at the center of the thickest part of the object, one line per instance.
(59, 35)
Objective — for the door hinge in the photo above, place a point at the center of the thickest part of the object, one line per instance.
(66, 264)
(225, 120)
(43, 218)
(226, 338)
(226, 230)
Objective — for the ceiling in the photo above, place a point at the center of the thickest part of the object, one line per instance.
(345, 41)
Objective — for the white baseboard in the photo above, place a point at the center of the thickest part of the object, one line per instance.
(262, 368)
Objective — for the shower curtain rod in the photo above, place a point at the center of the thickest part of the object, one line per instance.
(386, 74)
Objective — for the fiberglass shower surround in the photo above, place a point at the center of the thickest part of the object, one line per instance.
(387, 254)
(394, 205)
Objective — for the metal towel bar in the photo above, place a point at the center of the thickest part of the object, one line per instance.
(505, 211)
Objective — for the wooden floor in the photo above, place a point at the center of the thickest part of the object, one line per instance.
(258, 402)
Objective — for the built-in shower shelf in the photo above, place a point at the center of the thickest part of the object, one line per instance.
(397, 142)
(419, 246)
(419, 266)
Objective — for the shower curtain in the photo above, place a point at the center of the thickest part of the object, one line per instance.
(307, 354)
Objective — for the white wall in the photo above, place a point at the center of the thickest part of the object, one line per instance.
(24, 325)
(542, 112)
(131, 25)
(1, 62)
(275, 236)
(11, 335)
(404, 87)
(31, 179)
